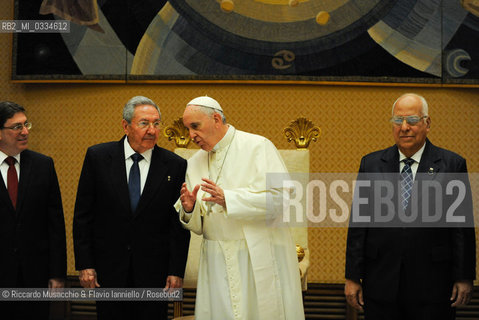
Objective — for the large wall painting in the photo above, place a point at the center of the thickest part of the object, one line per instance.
(387, 41)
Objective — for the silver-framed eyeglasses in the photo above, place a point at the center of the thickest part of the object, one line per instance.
(146, 124)
(410, 120)
(19, 126)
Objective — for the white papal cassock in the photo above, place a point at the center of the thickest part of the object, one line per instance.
(248, 269)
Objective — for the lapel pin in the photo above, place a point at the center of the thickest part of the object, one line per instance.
(431, 171)
(169, 178)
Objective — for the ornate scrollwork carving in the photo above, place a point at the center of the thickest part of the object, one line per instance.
(300, 252)
(302, 132)
(179, 132)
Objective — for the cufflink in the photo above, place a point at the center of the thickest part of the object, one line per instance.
(169, 178)
(431, 171)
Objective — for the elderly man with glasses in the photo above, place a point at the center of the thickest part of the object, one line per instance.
(125, 229)
(406, 268)
(32, 228)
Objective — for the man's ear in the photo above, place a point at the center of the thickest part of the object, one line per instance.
(124, 124)
(217, 118)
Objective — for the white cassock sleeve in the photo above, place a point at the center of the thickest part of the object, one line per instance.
(193, 220)
(251, 201)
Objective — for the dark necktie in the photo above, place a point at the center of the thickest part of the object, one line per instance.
(12, 180)
(134, 181)
(407, 182)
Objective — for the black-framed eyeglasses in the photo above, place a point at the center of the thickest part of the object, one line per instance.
(19, 126)
(410, 120)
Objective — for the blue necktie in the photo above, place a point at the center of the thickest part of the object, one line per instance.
(134, 181)
(407, 182)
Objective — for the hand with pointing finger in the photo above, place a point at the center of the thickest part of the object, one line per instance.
(188, 199)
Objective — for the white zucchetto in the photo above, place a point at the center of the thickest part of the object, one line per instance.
(205, 101)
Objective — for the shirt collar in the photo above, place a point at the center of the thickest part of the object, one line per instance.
(226, 140)
(4, 156)
(129, 151)
(416, 157)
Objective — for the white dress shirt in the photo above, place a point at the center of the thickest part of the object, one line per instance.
(4, 166)
(416, 157)
(144, 164)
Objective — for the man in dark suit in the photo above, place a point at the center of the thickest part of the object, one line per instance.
(416, 272)
(125, 230)
(32, 228)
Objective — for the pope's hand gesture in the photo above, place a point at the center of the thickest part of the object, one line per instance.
(216, 193)
(188, 198)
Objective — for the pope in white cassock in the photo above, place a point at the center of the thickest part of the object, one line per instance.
(248, 269)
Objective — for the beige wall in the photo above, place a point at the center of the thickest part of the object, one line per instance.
(68, 118)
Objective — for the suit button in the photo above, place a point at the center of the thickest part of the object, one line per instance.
(15, 250)
(128, 247)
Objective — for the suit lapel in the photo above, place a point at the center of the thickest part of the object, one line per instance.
(156, 173)
(4, 197)
(390, 160)
(390, 169)
(118, 175)
(430, 162)
(429, 166)
(24, 182)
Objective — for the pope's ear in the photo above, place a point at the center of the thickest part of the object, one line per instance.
(217, 118)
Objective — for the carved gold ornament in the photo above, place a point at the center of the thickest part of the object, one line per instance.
(179, 132)
(299, 252)
(302, 132)
(472, 6)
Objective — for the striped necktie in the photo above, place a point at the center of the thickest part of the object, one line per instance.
(407, 182)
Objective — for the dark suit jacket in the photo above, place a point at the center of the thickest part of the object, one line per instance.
(425, 262)
(32, 237)
(149, 244)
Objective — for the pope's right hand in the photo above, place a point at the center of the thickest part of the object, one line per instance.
(88, 278)
(188, 198)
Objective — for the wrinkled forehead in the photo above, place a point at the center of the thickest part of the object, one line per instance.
(192, 116)
(408, 106)
(146, 110)
(194, 113)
